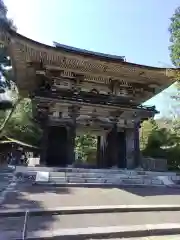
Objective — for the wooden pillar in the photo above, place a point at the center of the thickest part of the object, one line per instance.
(130, 148)
(41, 115)
(101, 152)
(98, 153)
(71, 144)
(73, 113)
(136, 145)
(44, 145)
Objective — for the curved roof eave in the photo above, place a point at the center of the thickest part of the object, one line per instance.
(87, 52)
(91, 54)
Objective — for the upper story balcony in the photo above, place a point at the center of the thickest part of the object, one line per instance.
(93, 98)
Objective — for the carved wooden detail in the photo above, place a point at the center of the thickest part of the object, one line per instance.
(77, 81)
(62, 83)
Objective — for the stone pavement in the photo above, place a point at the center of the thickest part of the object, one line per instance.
(42, 197)
(53, 222)
(48, 197)
(41, 227)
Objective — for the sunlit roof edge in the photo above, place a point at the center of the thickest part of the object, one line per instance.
(59, 45)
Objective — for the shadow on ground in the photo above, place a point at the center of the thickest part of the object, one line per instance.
(152, 191)
(27, 196)
(18, 199)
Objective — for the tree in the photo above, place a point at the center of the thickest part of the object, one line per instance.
(175, 38)
(5, 62)
(145, 131)
(6, 78)
(174, 48)
(17, 121)
(174, 30)
(161, 139)
(86, 145)
(21, 126)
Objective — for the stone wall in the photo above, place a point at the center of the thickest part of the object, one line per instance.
(154, 164)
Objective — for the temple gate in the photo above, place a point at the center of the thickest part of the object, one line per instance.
(73, 89)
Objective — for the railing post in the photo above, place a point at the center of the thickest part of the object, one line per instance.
(24, 233)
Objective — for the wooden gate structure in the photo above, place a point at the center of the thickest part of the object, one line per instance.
(75, 90)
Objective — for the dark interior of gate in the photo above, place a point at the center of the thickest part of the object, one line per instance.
(57, 151)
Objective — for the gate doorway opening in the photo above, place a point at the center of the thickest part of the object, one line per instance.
(86, 150)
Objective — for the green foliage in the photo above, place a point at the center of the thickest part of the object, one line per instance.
(145, 131)
(5, 62)
(19, 124)
(86, 145)
(162, 142)
(175, 37)
(21, 127)
(173, 155)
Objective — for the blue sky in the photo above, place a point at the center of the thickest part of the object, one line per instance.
(136, 29)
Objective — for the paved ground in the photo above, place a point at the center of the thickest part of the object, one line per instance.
(89, 220)
(43, 197)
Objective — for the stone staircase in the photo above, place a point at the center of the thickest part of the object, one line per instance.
(106, 177)
(119, 177)
(98, 221)
(91, 222)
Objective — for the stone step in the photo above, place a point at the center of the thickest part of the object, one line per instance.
(102, 175)
(106, 180)
(96, 177)
(122, 172)
(89, 210)
(88, 226)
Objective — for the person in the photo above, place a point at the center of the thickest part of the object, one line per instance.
(12, 160)
(22, 159)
